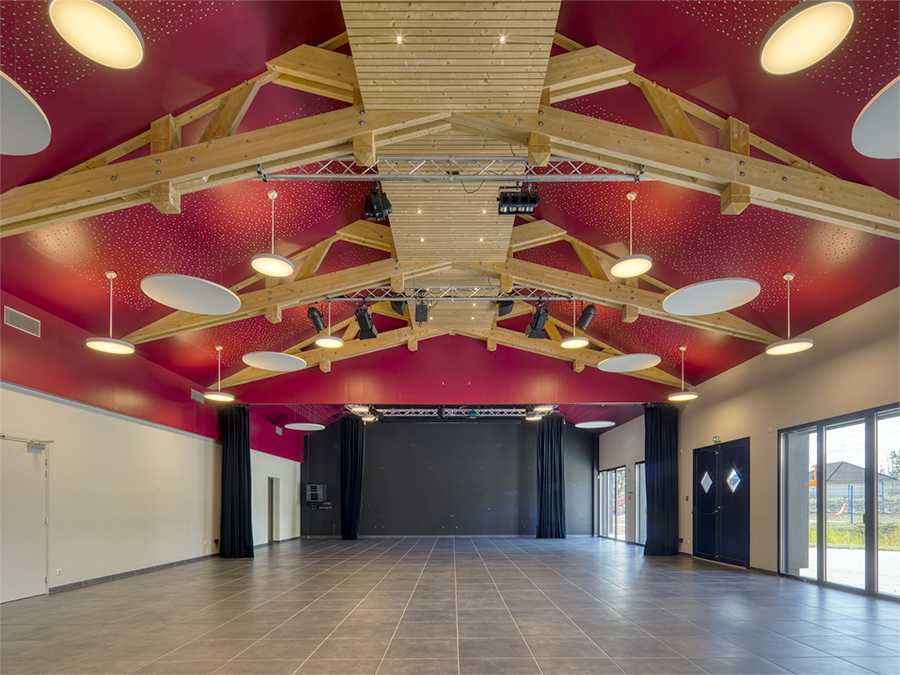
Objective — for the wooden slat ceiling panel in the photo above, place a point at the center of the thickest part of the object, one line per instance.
(456, 145)
(457, 222)
(451, 57)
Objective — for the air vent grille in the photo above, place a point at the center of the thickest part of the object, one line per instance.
(16, 319)
(197, 396)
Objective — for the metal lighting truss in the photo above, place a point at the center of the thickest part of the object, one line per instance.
(433, 294)
(447, 412)
(454, 170)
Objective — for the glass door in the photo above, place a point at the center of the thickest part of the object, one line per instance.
(620, 503)
(887, 497)
(640, 502)
(839, 493)
(612, 503)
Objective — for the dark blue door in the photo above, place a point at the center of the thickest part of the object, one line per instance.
(722, 502)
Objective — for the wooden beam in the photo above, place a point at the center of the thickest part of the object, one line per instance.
(324, 366)
(618, 296)
(367, 233)
(534, 233)
(364, 153)
(552, 331)
(630, 313)
(165, 136)
(589, 259)
(287, 295)
(230, 112)
(223, 160)
(318, 71)
(336, 42)
(578, 366)
(822, 197)
(735, 137)
(314, 259)
(583, 72)
(669, 113)
(588, 357)
(539, 150)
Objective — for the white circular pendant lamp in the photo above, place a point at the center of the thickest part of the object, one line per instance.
(789, 346)
(596, 424)
(574, 341)
(683, 395)
(533, 416)
(628, 363)
(304, 426)
(711, 297)
(99, 30)
(275, 361)
(110, 345)
(634, 264)
(217, 395)
(876, 132)
(190, 294)
(24, 128)
(329, 341)
(270, 264)
(805, 35)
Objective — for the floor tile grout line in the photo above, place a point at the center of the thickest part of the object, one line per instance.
(243, 613)
(497, 588)
(409, 600)
(554, 604)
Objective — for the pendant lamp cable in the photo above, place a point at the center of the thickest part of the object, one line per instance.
(111, 275)
(630, 225)
(788, 278)
(574, 308)
(683, 349)
(219, 382)
(272, 195)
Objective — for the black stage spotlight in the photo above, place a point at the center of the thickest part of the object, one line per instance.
(399, 307)
(536, 327)
(377, 204)
(587, 315)
(367, 330)
(517, 202)
(422, 310)
(504, 307)
(315, 316)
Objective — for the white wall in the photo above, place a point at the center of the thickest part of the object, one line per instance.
(854, 365)
(624, 446)
(262, 467)
(125, 494)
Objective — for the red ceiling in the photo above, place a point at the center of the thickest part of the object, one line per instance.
(705, 51)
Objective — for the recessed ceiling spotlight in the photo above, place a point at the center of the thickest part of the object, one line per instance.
(422, 239)
(399, 39)
(683, 395)
(789, 346)
(270, 264)
(99, 30)
(632, 265)
(808, 33)
(419, 211)
(110, 345)
(217, 395)
(502, 40)
(481, 239)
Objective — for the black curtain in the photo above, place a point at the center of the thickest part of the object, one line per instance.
(236, 529)
(661, 457)
(551, 479)
(353, 459)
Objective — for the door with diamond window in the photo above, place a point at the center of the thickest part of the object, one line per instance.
(722, 502)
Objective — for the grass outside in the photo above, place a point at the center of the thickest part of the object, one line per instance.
(841, 533)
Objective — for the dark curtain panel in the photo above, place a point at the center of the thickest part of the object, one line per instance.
(661, 457)
(236, 529)
(353, 459)
(551, 479)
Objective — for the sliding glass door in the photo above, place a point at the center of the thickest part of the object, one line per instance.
(839, 507)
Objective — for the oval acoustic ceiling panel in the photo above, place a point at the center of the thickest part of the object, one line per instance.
(24, 128)
(596, 424)
(876, 132)
(627, 363)
(304, 426)
(190, 294)
(712, 296)
(277, 361)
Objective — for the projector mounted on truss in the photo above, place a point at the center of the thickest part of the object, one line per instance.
(519, 201)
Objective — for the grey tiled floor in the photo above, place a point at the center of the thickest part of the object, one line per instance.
(454, 606)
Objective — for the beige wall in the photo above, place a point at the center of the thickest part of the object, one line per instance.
(854, 365)
(623, 446)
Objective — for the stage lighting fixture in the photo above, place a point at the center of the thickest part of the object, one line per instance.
(367, 330)
(422, 309)
(377, 204)
(399, 307)
(515, 201)
(315, 317)
(536, 327)
(587, 315)
(504, 307)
